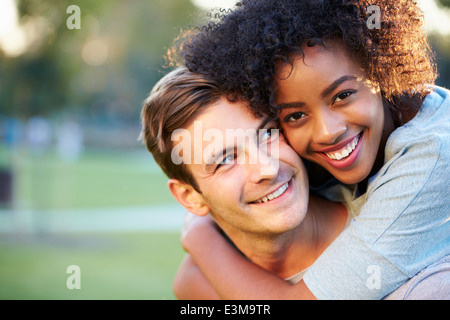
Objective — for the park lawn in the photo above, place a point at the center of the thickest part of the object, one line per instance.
(113, 266)
(96, 180)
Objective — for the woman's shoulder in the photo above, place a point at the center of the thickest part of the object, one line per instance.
(436, 103)
(431, 124)
(434, 111)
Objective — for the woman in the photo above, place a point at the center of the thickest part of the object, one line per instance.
(358, 101)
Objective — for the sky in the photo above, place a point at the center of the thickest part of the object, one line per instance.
(436, 19)
(209, 4)
(12, 37)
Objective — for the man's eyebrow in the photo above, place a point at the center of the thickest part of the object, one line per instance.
(325, 92)
(265, 121)
(212, 161)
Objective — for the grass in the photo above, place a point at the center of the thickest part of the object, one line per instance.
(97, 179)
(113, 265)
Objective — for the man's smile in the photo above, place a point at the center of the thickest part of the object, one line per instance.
(273, 195)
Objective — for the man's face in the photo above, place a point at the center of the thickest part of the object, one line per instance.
(249, 177)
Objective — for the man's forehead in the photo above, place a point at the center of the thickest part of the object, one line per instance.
(216, 131)
(211, 139)
(225, 115)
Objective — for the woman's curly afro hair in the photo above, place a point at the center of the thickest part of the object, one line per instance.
(240, 49)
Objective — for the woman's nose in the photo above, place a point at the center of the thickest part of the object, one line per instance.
(328, 127)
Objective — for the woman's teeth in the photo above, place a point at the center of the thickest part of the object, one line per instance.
(275, 194)
(344, 152)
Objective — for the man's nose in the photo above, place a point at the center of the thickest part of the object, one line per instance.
(262, 166)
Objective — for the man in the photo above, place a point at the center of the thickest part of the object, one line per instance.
(223, 160)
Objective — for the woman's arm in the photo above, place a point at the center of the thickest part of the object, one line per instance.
(191, 284)
(232, 276)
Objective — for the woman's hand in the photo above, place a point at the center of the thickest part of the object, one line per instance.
(191, 284)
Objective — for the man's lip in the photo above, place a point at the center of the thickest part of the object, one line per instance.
(279, 186)
(338, 146)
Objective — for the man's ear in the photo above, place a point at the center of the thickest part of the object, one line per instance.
(188, 197)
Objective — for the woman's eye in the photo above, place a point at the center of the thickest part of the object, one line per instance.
(294, 117)
(343, 95)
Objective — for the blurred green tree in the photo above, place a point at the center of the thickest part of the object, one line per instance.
(441, 45)
(107, 67)
(445, 3)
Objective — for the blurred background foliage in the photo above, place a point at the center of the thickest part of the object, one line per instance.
(76, 187)
(445, 3)
(101, 72)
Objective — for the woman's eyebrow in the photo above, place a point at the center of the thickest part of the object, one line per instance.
(290, 105)
(336, 84)
(325, 92)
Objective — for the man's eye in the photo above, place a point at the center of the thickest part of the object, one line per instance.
(227, 160)
(294, 117)
(268, 135)
(265, 134)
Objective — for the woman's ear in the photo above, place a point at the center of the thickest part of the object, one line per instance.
(188, 197)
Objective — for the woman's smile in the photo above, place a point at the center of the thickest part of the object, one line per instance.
(343, 155)
(330, 113)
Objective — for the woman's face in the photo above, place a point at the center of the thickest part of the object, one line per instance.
(331, 114)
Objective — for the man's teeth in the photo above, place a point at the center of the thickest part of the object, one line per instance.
(275, 194)
(345, 152)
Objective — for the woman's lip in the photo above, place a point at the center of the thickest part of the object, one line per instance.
(338, 146)
(348, 161)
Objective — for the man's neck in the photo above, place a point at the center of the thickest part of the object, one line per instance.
(291, 252)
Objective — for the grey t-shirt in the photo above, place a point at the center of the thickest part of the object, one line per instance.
(433, 283)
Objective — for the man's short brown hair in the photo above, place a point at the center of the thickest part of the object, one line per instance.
(171, 105)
